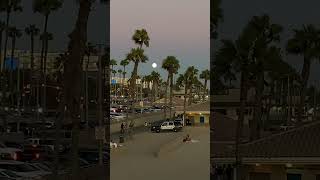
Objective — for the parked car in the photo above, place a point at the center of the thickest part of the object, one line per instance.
(117, 116)
(36, 153)
(92, 156)
(44, 142)
(22, 169)
(9, 153)
(166, 126)
(13, 145)
(9, 175)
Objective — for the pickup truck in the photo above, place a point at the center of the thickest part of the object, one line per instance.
(166, 126)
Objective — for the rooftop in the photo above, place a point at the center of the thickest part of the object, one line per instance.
(301, 142)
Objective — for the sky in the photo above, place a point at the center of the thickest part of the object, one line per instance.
(289, 13)
(176, 28)
(60, 24)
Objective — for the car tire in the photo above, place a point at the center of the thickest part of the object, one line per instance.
(158, 131)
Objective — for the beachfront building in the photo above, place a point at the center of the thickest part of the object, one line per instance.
(196, 114)
(290, 155)
(227, 102)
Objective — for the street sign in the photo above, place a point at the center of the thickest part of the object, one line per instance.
(100, 132)
(113, 81)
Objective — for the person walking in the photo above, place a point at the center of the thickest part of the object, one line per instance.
(146, 125)
(122, 128)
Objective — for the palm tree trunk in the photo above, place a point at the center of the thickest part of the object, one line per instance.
(205, 89)
(124, 78)
(133, 79)
(32, 67)
(269, 103)
(44, 41)
(166, 97)
(154, 91)
(72, 85)
(11, 71)
(185, 101)
(57, 142)
(257, 114)
(243, 98)
(87, 93)
(305, 76)
(1, 60)
(45, 76)
(171, 94)
(6, 36)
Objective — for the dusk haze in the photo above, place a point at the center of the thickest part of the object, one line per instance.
(179, 28)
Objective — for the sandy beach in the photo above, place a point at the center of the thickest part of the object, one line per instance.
(136, 160)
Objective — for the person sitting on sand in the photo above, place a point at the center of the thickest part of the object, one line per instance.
(187, 138)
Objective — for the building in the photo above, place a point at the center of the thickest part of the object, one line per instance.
(197, 114)
(227, 102)
(290, 155)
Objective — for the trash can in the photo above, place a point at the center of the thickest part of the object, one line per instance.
(121, 139)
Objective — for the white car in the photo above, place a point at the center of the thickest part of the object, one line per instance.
(23, 169)
(9, 153)
(117, 116)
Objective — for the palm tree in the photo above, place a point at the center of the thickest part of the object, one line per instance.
(45, 7)
(171, 64)
(45, 37)
(72, 86)
(89, 50)
(136, 56)
(205, 75)
(124, 63)
(14, 33)
(192, 74)
(9, 6)
(120, 82)
(2, 28)
(305, 43)
(141, 37)
(113, 63)
(155, 78)
(216, 17)
(187, 80)
(32, 31)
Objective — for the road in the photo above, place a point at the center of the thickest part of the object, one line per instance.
(136, 160)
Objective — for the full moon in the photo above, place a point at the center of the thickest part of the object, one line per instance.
(154, 65)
